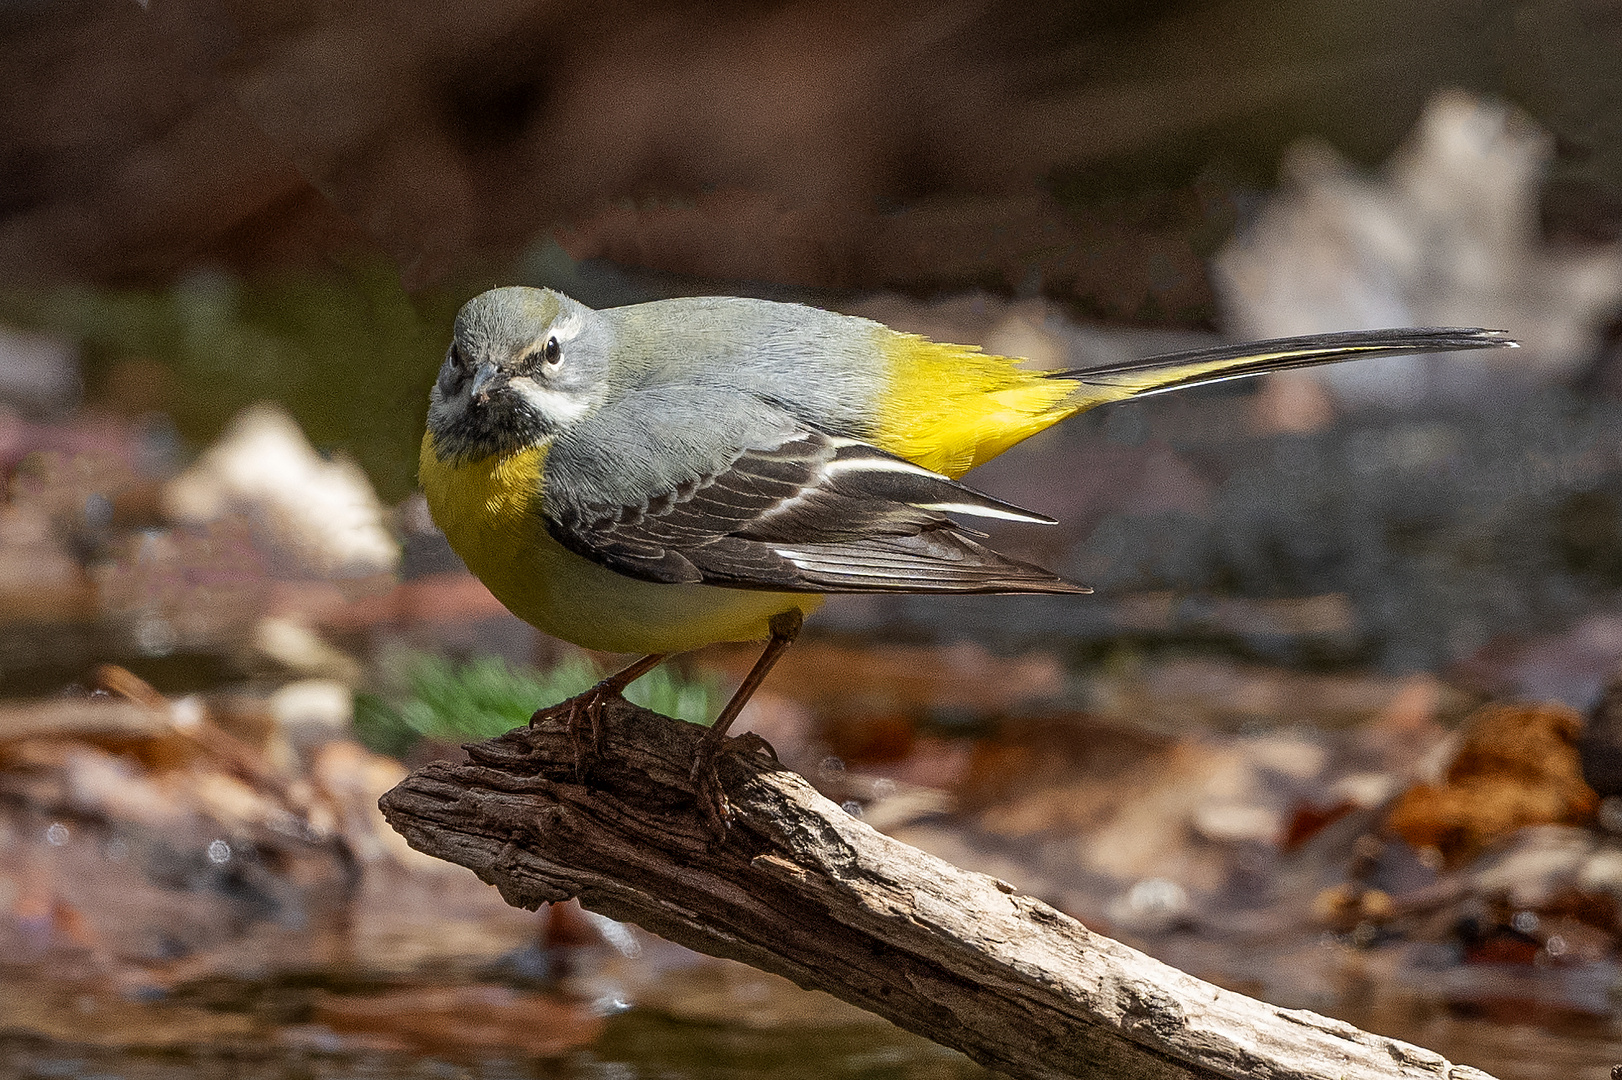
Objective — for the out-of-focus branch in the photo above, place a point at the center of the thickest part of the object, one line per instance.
(801, 888)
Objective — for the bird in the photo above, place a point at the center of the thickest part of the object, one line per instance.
(665, 475)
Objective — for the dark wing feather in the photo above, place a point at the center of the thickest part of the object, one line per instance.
(812, 513)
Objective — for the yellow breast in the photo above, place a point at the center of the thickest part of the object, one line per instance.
(489, 510)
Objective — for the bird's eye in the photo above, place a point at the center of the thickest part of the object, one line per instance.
(456, 356)
(552, 353)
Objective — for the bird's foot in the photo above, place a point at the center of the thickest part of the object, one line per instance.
(582, 717)
(709, 796)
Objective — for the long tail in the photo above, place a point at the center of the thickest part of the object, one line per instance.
(1197, 367)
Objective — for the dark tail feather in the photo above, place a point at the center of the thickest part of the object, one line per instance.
(1197, 367)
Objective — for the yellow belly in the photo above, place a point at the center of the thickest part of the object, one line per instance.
(485, 511)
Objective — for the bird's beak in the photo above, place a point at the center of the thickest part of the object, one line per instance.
(487, 379)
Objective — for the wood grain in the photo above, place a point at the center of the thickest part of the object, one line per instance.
(799, 887)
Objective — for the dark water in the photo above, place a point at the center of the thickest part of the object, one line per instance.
(634, 1045)
(639, 1044)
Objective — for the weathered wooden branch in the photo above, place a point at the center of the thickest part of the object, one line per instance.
(801, 888)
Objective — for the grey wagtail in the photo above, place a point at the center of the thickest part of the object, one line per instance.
(656, 477)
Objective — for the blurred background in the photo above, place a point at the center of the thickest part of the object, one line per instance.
(1337, 729)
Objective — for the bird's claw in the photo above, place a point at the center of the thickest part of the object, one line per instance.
(582, 711)
(708, 794)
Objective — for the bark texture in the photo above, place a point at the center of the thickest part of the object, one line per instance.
(799, 887)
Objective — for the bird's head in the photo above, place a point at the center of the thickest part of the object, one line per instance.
(523, 365)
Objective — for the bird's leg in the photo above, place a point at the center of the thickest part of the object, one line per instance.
(589, 706)
(712, 801)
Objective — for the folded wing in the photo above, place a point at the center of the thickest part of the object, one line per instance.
(810, 512)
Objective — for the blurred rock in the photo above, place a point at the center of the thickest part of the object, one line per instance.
(1539, 864)
(1232, 823)
(295, 648)
(38, 374)
(1449, 236)
(1517, 765)
(1363, 790)
(313, 711)
(321, 515)
(91, 570)
(1601, 873)
(1570, 663)
(891, 805)
(1153, 905)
